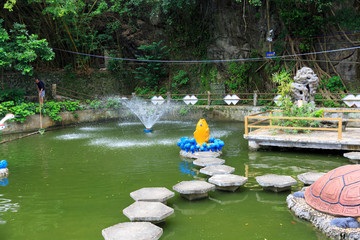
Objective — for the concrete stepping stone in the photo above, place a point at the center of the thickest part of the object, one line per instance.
(353, 156)
(228, 182)
(276, 183)
(193, 190)
(200, 154)
(4, 172)
(204, 162)
(309, 178)
(218, 169)
(154, 212)
(152, 194)
(132, 231)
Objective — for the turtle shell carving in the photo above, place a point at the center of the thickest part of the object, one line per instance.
(337, 192)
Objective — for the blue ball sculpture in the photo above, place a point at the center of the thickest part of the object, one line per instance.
(3, 164)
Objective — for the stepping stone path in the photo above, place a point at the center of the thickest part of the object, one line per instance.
(228, 182)
(353, 156)
(193, 190)
(132, 231)
(309, 178)
(200, 154)
(154, 212)
(218, 169)
(152, 194)
(4, 172)
(276, 183)
(204, 162)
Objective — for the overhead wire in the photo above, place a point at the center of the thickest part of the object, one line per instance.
(283, 57)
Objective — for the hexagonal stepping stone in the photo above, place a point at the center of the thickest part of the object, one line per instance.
(200, 154)
(154, 212)
(4, 172)
(276, 183)
(152, 194)
(132, 231)
(309, 178)
(204, 162)
(193, 190)
(218, 169)
(228, 182)
(353, 156)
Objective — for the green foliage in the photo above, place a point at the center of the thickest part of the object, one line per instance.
(238, 80)
(19, 49)
(306, 110)
(332, 84)
(16, 95)
(180, 80)
(152, 72)
(21, 111)
(283, 80)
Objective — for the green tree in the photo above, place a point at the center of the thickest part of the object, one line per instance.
(18, 49)
(152, 72)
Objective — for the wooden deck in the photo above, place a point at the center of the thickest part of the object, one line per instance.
(316, 139)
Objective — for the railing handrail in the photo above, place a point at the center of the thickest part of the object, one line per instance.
(270, 126)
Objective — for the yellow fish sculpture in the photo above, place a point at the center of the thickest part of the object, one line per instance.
(201, 133)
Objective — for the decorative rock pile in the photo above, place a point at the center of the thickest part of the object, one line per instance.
(305, 85)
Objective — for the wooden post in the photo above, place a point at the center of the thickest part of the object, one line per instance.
(209, 98)
(246, 126)
(270, 115)
(53, 91)
(255, 97)
(340, 129)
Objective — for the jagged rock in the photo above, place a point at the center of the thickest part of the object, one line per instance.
(305, 85)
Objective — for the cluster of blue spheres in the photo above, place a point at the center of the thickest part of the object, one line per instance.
(190, 145)
(3, 164)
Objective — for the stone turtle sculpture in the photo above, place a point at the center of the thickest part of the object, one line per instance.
(337, 193)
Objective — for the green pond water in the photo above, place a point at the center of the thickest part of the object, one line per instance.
(74, 182)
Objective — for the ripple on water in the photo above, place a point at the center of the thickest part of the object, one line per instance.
(72, 136)
(119, 143)
(219, 133)
(93, 129)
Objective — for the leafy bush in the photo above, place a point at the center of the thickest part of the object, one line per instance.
(16, 95)
(306, 110)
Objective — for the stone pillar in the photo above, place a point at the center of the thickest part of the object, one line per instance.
(53, 91)
(133, 95)
(253, 145)
(168, 96)
(255, 97)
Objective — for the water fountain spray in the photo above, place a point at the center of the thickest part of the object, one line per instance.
(147, 112)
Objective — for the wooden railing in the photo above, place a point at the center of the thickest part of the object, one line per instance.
(269, 119)
(207, 98)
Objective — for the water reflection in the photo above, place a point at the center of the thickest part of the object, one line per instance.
(222, 202)
(187, 168)
(5, 206)
(4, 182)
